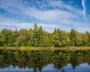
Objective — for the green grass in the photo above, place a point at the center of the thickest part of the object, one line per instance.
(47, 48)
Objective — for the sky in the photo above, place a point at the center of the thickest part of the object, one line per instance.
(50, 14)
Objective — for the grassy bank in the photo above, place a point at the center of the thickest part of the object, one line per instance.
(47, 48)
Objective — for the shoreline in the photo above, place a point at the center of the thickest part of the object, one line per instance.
(46, 48)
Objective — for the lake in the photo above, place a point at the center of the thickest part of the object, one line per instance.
(44, 60)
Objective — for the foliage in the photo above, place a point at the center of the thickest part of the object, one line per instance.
(37, 37)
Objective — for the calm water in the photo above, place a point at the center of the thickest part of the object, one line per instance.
(44, 61)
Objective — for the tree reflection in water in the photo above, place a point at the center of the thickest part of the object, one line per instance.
(41, 58)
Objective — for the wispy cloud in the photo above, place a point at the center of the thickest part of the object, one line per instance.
(48, 14)
(19, 26)
(83, 4)
(66, 7)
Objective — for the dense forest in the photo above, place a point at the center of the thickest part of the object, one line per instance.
(38, 37)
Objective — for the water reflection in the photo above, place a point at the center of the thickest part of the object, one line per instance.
(44, 60)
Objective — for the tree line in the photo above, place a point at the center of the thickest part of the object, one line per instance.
(38, 37)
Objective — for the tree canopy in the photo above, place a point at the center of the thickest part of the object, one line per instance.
(38, 37)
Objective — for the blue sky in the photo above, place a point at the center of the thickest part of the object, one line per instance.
(50, 14)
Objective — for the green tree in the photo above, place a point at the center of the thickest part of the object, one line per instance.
(0, 40)
(5, 37)
(72, 37)
(64, 38)
(13, 37)
(56, 38)
(23, 37)
(88, 34)
(35, 35)
(45, 40)
(85, 40)
(78, 39)
(31, 38)
(40, 35)
(50, 39)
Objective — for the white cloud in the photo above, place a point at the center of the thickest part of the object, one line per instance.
(45, 25)
(19, 26)
(64, 6)
(63, 17)
(2, 23)
(47, 15)
(65, 14)
(83, 4)
(70, 22)
(56, 15)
